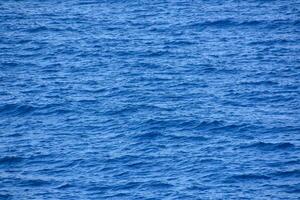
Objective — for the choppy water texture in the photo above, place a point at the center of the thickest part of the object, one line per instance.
(149, 99)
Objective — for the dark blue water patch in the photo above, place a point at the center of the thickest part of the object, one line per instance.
(293, 189)
(5, 196)
(226, 23)
(249, 177)
(251, 24)
(267, 146)
(34, 183)
(10, 160)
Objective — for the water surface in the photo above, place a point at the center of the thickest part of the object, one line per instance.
(149, 99)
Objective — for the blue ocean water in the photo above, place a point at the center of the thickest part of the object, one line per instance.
(149, 99)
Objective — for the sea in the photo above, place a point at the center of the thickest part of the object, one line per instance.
(154, 100)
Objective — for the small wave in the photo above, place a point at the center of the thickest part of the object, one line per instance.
(155, 53)
(64, 186)
(230, 127)
(148, 135)
(94, 91)
(180, 43)
(271, 146)
(210, 125)
(15, 109)
(263, 82)
(122, 111)
(86, 3)
(138, 164)
(123, 159)
(218, 23)
(37, 29)
(285, 174)
(198, 188)
(161, 122)
(249, 177)
(157, 185)
(224, 23)
(148, 65)
(9, 64)
(220, 70)
(47, 29)
(54, 108)
(180, 124)
(271, 42)
(35, 182)
(233, 23)
(118, 195)
(185, 138)
(294, 189)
